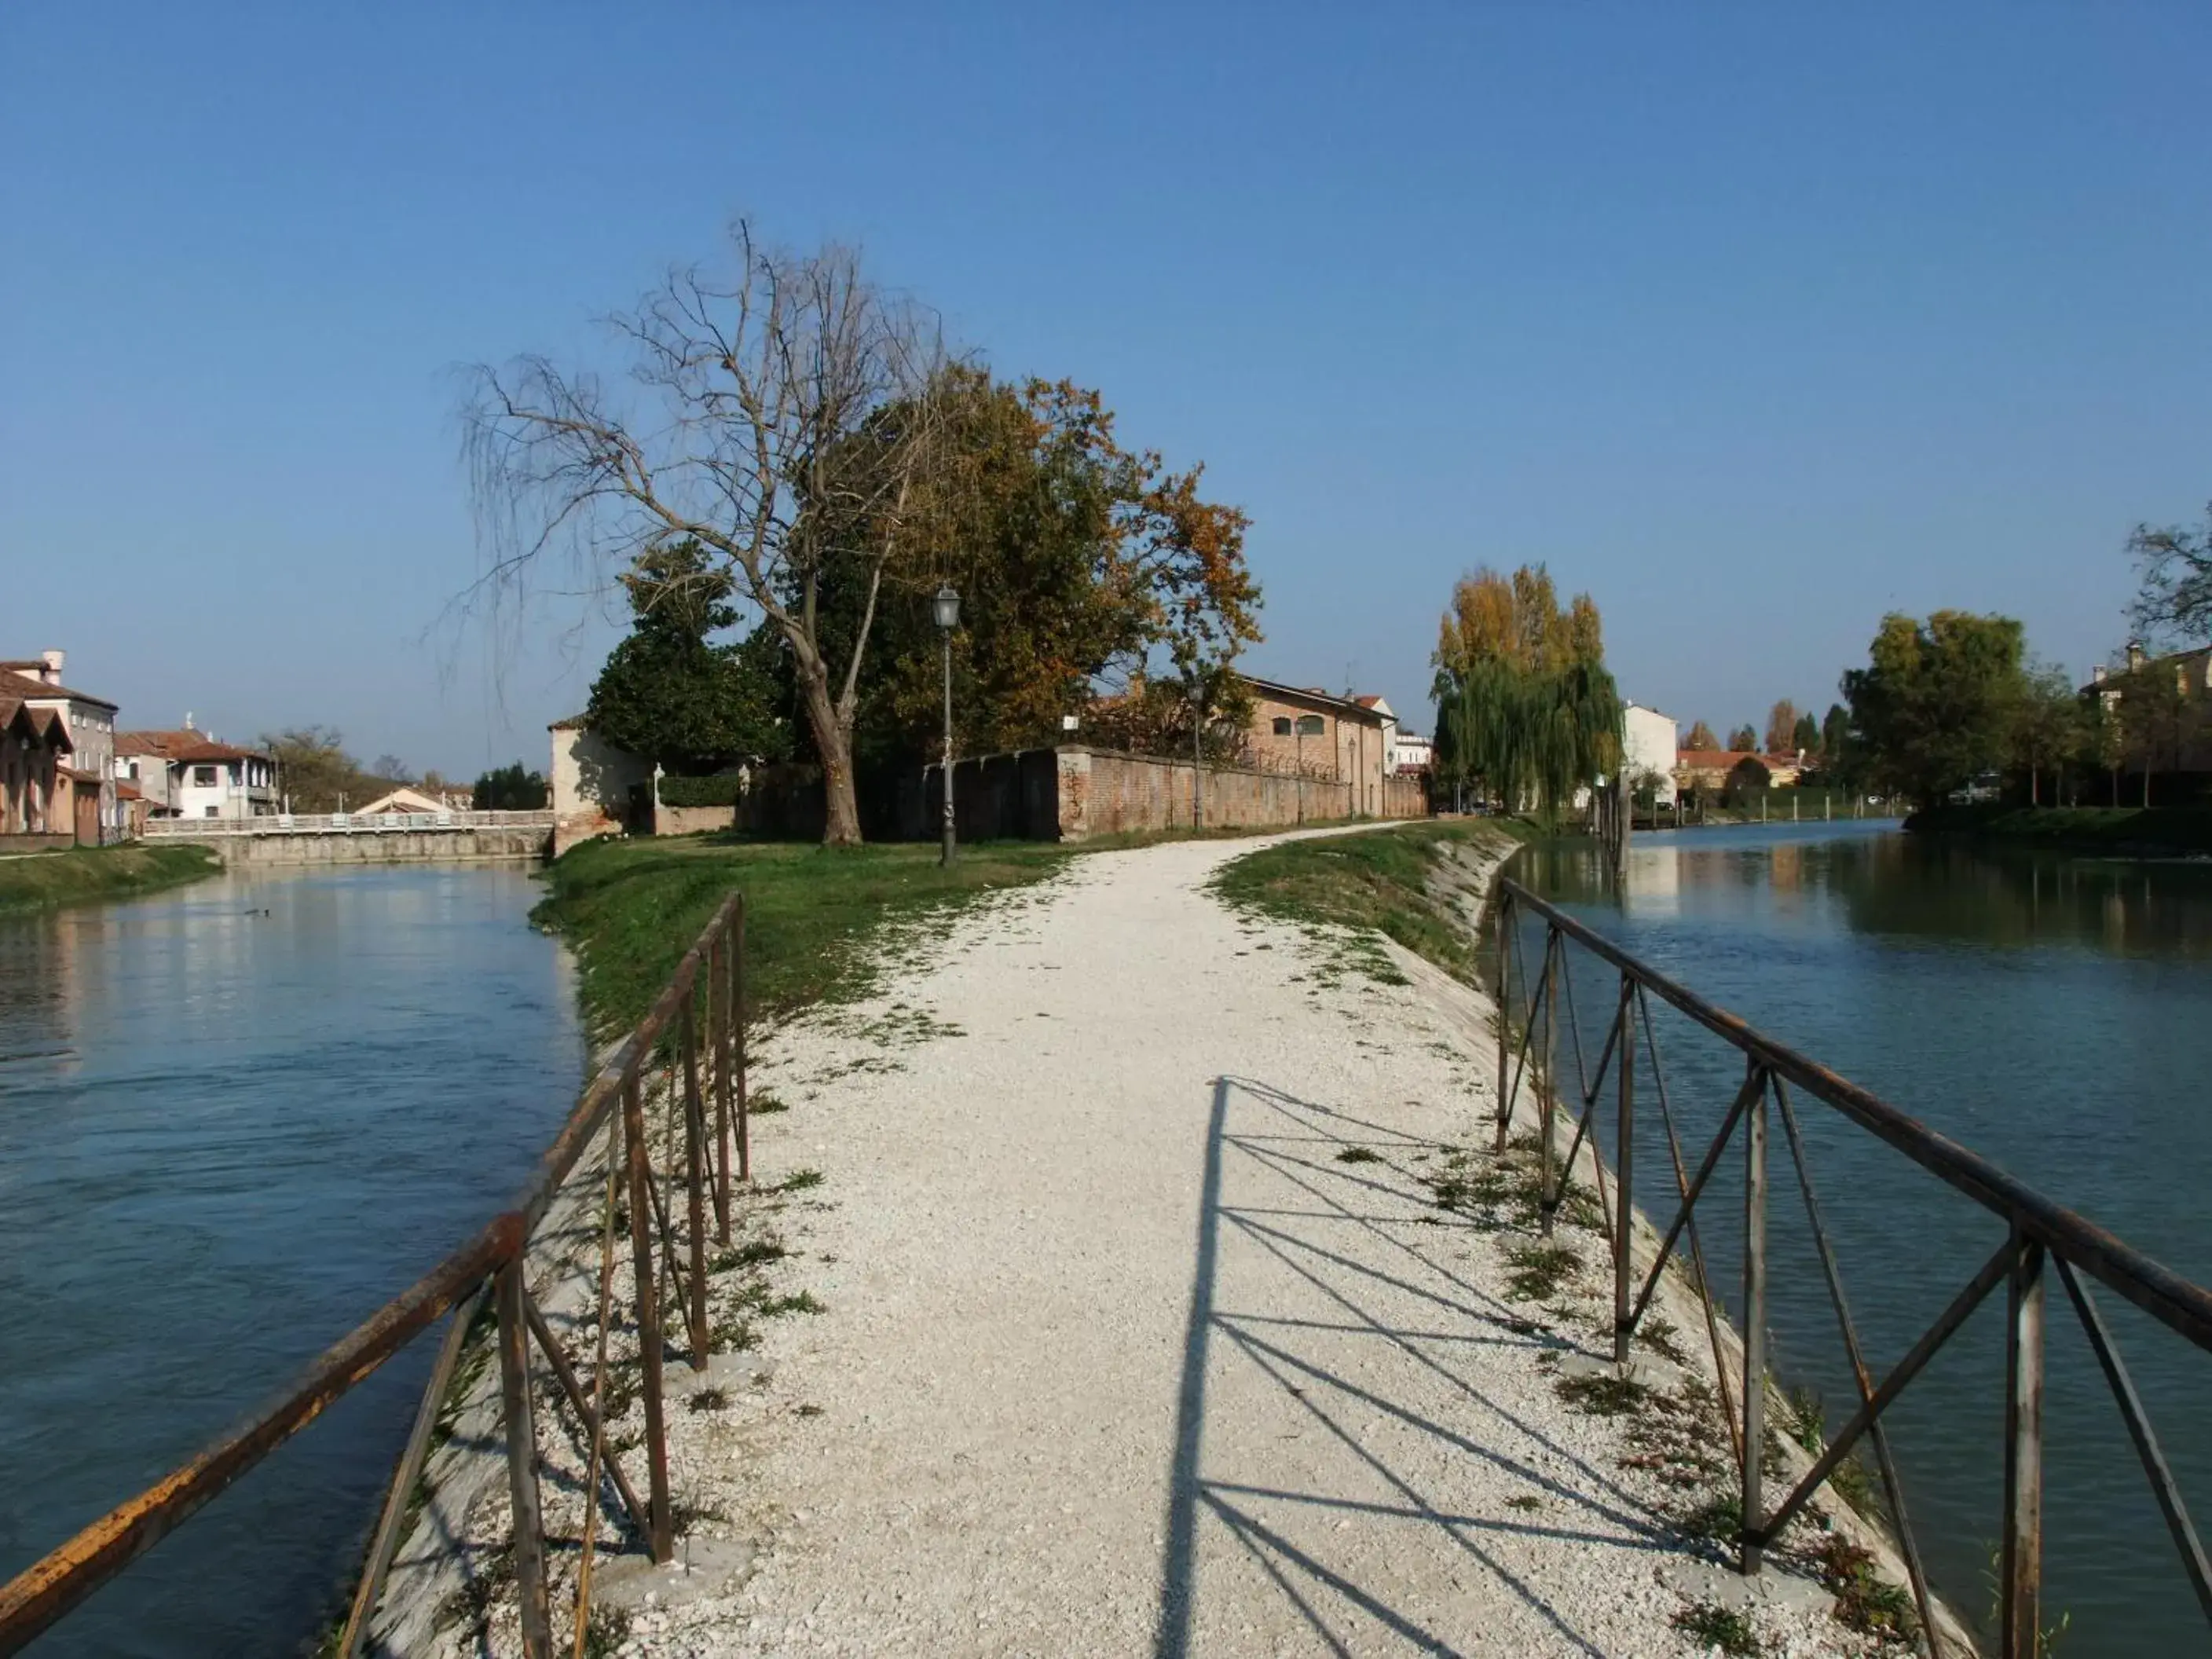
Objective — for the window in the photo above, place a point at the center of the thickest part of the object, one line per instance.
(206, 777)
(210, 812)
(134, 770)
(1282, 726)
(1311, 725)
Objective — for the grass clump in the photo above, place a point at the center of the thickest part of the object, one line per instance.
(799, 1180)
(1359, 1155)
(1717, 1626)
(754, 1252)
(1603, 1395)
(1865, 1600)
(765, 1103)
(1377, 882)
(84, 875)
(1540, 1271)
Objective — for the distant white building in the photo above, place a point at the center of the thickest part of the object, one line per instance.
(1648, 752)
(1411, 752)
(188, 774)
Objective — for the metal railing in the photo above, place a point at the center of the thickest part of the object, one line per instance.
(2042, 1238)
(340, 823)
(707, 1083)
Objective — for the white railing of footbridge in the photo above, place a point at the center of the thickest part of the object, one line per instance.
(340, 823)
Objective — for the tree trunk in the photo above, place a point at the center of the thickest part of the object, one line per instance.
(832, 744)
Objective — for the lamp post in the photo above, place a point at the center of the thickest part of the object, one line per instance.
(945, 607)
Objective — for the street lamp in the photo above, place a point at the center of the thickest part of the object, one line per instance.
(945, 607)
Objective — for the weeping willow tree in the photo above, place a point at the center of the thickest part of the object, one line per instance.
(1526, 710)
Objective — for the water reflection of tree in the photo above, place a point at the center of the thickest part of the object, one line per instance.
(1933, 890)
(1904, 888)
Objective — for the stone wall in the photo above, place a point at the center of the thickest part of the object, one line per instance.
(691, 820)
(36, 843)
(1074, 792)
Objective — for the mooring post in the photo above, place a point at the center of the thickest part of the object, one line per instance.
(695, 1151)
(1623, 1159)
(2022, 1562)
(662, 1542)
(522, 1462)
(1754, 1321)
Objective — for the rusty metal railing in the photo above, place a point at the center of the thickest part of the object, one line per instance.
(708, 1084)
(2042, 1238)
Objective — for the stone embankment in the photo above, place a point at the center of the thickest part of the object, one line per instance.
(1131, 1276)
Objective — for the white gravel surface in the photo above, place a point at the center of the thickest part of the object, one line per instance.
(1118, 1353)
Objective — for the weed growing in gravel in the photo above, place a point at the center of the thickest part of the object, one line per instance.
(1358, 1155)
(759, 1104)
(770, 1307)
(1540, 1271)
(1720, 1518)
(605, 1633)
(709, 1400)
(753, 1254)
(1865, 1600)
(1603, 1395)
(799, 1180)
(1524, 1501)
(1657, 1333)
(1720, 1628)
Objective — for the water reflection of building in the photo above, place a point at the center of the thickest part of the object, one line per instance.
(1655, 878)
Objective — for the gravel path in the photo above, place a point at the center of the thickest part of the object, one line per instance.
(1142, 1331)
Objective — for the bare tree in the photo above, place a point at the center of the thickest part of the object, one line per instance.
(782, 413)
(2175, 565)
(1782, 727)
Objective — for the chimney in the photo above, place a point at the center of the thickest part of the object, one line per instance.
(2097, 674)
(188, 719)
(2134, 655)
(51, 674)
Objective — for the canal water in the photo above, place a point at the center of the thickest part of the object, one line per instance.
(2052, 1013)
(234, 1121)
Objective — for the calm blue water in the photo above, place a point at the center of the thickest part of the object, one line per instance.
(227, 1136)
(2054, 1014)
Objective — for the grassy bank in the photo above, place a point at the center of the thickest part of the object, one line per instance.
(2114, 831)
(89, 874)
(631, 909)
(1380, 881)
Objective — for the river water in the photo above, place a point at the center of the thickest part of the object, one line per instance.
(234, 1121)
(2054, 1014)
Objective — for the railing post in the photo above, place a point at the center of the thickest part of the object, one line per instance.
(718, 1041)
(1504, 1020)
(1624, 1158)
(2022, 1563)
(1548, 1095)
(522, 1462)
(1755, 1321)
(648, 1317)
(737, 1033)
(695, 1156)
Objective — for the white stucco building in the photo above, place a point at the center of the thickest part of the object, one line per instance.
(1411, 752)
(189, 773)
(1647, 751)
(597, 789)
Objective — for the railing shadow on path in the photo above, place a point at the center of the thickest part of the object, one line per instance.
(1331, 1412)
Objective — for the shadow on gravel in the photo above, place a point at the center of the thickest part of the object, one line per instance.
(1335, 1284)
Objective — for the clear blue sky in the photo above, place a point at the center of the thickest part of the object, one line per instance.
(1754, 321)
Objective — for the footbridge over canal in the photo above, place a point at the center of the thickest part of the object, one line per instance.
(363, 837)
